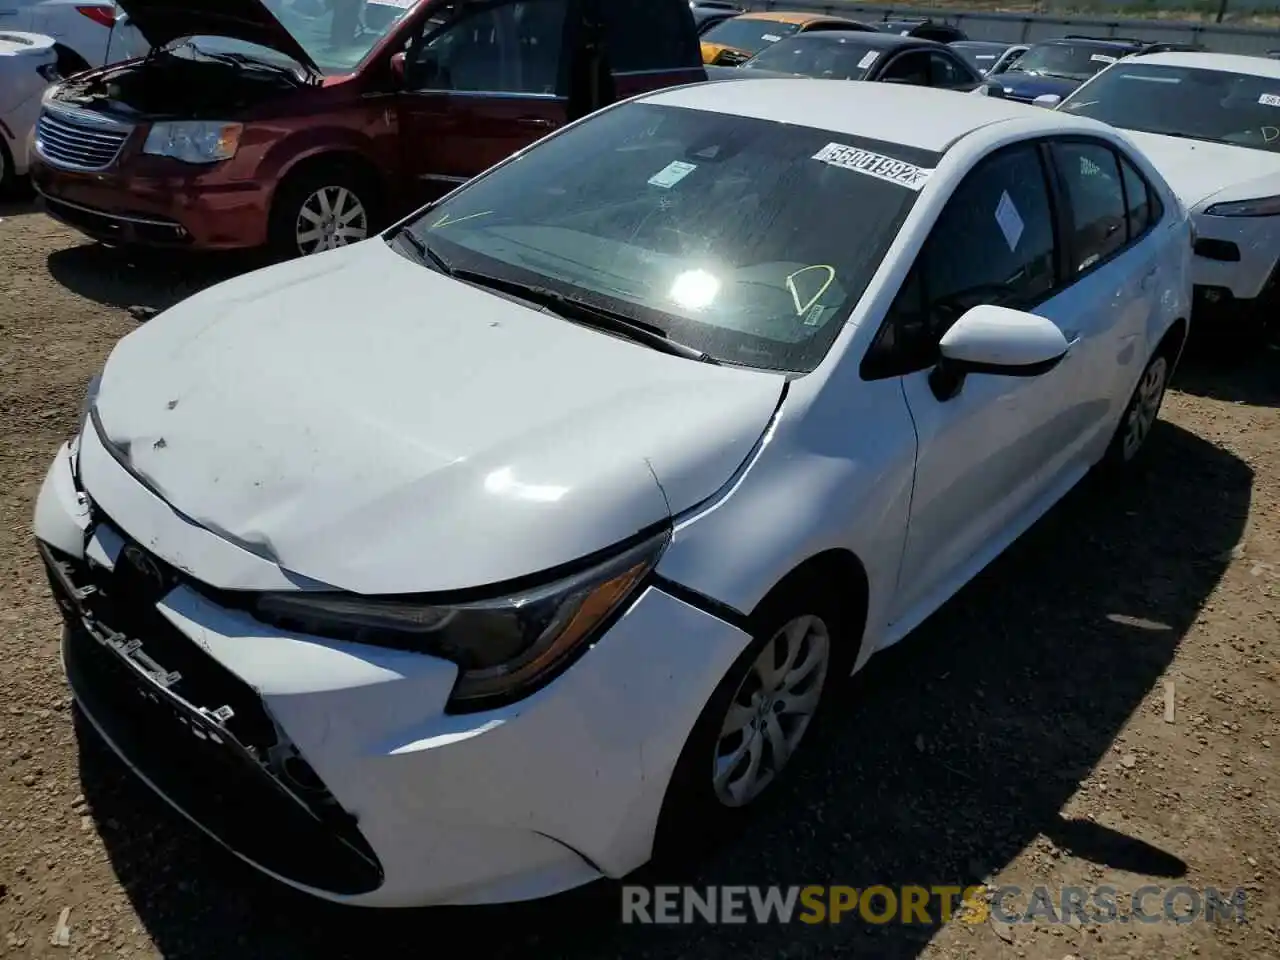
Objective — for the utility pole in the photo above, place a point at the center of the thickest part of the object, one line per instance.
(1222, 9)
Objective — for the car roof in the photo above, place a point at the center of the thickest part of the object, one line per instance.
(1101, 42)
(788, 16)
(912, 116)
(867, 38)
(1226, 62)
(983, 44)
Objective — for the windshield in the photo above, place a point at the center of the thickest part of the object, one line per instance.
(815, 55)
(749, 35)
(1071, 61)
(746, 239)
(1236, 108)
(337, 34)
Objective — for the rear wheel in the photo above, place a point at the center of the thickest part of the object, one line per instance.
(7, 175)
(322, 209)
(1142, 411)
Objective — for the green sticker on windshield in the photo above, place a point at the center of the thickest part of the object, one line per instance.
(672, 173)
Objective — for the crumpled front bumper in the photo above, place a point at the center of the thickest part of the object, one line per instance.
(347, 777)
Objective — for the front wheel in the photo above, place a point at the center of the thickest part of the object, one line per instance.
(751, 729)
(321, 210)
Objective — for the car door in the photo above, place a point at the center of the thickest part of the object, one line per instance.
(950, 72)
(489, 81)
(980, 453)
(910, 67)
(1112, 275)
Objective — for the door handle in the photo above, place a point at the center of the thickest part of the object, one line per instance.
(541, 122)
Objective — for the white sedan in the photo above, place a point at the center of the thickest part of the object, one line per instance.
(486, 557)
(1211, 123)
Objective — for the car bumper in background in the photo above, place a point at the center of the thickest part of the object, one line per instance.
(334, 766)
(1236, 256)
(155, 210)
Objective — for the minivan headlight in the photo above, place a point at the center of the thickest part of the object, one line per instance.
(505, 648)
(194, 141)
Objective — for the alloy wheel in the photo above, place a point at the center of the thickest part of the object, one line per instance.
(331, 217)
(1146, 406)
(771, 710)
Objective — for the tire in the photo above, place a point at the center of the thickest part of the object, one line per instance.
(711, 792)
(331, 206)
(1140, 413)
(7, 175)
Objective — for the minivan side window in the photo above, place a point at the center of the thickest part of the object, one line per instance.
(994, 242)
(511, 47)
(649, 35)
(1090, 176)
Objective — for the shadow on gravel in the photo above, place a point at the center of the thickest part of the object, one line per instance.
(156, 279)
(1253, 379)
(1016, 690)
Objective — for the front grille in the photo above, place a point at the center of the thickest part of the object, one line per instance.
(66, 141)
(196, 731)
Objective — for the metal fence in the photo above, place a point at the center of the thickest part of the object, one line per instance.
(1032, 27)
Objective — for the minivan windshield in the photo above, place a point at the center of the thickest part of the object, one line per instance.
(817, 55)
(337, 34)
(1242, 109)
(748, 240)
(1070, 61)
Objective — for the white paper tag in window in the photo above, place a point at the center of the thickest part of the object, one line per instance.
(1270, 100)
(672, 173)
(1101, 58)
(1009, 220)
(867, 60)
(402, 4)
(874, 165)
(771, 37)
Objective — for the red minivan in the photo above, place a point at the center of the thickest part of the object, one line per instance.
(303, 125)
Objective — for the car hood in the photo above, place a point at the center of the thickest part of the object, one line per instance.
(1028, 86)
(1199, 171)
(163, 21)
(363, 421)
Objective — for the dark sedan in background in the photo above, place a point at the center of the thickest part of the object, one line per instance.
(1059, 66)
(859, 55)
(989, 57)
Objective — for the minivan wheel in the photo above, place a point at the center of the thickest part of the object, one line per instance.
(756, 721)
(319, 210)
(6, 170)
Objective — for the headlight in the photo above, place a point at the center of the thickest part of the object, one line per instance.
(86, 410)
(1262, 207)
(194, 141)
(504, 648)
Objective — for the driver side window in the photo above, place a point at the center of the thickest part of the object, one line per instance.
(503, 47)
(993, 243)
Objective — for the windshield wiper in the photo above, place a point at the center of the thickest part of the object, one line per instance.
(565, 307)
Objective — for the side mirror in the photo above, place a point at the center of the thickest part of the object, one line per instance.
(397, 67)
(999, 341)
(1047, 100)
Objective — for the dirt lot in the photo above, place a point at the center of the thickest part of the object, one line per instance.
(1026, 740)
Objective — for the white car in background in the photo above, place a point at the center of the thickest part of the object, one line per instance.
(28, 65)
(90, 33)
(1211, 123)
(482, 558)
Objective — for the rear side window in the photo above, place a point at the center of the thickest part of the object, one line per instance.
(649, 35)
(1091, 178)
(1140, 200)
(947, 72)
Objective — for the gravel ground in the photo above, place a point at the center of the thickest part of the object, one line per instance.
(1018, 737)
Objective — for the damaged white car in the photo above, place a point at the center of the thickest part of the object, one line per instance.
(483, 558)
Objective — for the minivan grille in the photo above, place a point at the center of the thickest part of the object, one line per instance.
(68, 142)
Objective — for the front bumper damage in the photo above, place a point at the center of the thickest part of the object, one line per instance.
(334, 767)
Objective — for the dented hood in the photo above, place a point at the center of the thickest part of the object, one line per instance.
(163, 21)
(369, 423)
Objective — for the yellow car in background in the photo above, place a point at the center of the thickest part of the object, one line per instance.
(741, 38)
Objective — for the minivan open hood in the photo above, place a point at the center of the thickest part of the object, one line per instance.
(364, 421)
(163, 21)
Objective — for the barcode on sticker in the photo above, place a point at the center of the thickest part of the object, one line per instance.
(771, 37)
(1270, 100)
(874, 165)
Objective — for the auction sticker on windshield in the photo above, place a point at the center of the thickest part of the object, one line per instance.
(874, 165)
(1102, 58)
(672, 173)
(867, 60)
(1269, 100)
